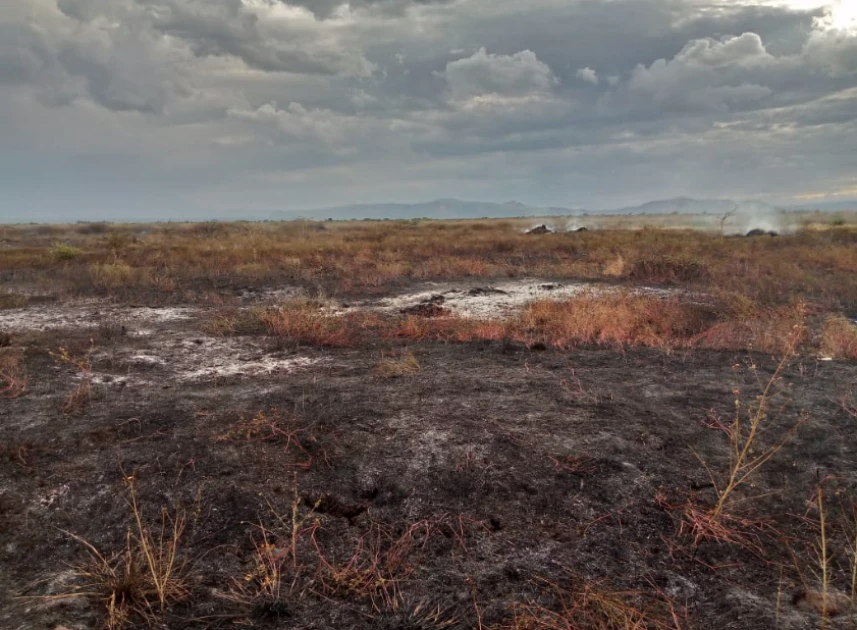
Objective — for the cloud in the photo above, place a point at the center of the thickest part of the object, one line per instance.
(485, 80)
(587, 74)
(425, 98)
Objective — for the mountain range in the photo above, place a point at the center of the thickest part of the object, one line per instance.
(458, 209)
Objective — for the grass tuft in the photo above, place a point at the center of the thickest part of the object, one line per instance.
(405, 364)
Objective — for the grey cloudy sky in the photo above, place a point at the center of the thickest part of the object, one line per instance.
(211, 108)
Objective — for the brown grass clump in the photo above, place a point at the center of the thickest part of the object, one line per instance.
(141, 580)
(305, 322)
(13, 378)
(619, 319)
(405, 364)
(839, 338)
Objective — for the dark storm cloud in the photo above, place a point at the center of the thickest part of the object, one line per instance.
(399, 95)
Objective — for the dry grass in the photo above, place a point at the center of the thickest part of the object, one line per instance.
(381, 560)
(273, 426)
(621, 319)
(371, 257)
(588, 606)
(306, 322)
(668, 270)
(13, 377)
(398, 366)
(140, 581)
(839, 338)
(81, 395)
(745, 325)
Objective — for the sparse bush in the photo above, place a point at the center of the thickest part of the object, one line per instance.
(65, 252)
(117, 242)
(114, 275)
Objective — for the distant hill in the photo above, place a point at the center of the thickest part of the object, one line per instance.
(679, 205)
(458, 209)
(437, 209)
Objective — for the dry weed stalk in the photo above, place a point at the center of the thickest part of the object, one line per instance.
(82, 394)
(271, 426)
(161, 551)
(276, 566)
(746, 455)
(381, 560)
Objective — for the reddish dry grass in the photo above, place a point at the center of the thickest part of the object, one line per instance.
(621, 319)
(745, 325)
(591, 606)
(617, 319)
(305, 322)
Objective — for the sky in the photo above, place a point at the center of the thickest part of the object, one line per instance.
(197, 109)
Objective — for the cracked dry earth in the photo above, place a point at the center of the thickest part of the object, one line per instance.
(492, 472)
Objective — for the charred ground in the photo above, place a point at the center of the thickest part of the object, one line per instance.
(420, 481)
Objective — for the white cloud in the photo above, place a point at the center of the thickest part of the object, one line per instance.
(488, 80)
(587, 74)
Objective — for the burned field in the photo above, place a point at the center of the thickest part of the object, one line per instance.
(557, 439)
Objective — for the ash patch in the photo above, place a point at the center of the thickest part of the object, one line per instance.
(503, 299)
(45, 317)
(185, 358)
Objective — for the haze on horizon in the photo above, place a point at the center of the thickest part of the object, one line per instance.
(196, 109)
